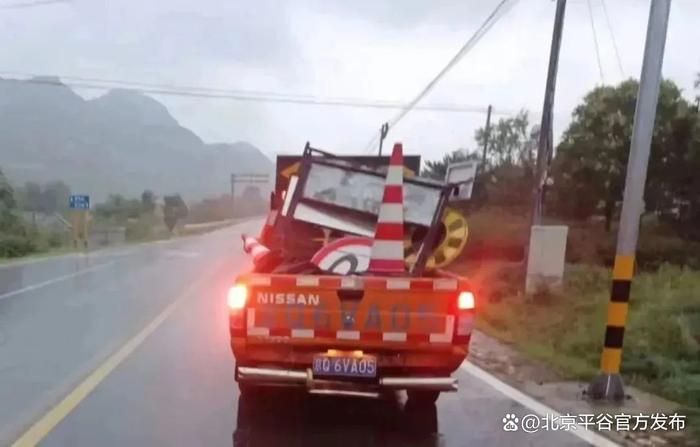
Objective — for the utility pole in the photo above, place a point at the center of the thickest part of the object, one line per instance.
(382, 134)
(487, 135)
(608, 384)
(544, 147)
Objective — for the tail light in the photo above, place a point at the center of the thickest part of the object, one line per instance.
(464, 324)
(466, 301)
(237, 297)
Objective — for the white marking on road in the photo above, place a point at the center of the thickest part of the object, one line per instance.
(108, 254)
(181, 254)
(55, 280)
(42, 427)
(36, 260)
(246, 224)
(541, 409)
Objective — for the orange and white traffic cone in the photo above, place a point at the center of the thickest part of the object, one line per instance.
(268, 228)
(387, 247)
(255, 248)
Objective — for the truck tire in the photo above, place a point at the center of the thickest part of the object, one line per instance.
(243, 387)
(419, 398)
(247, 388)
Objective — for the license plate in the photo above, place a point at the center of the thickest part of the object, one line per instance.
(345, 366)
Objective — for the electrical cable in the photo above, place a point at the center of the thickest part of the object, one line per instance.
(498, 12)
(614, 41)
(200, 92)
(595, 40)
(32, 4)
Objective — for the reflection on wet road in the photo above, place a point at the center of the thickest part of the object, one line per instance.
(176, 387)
(287, 418)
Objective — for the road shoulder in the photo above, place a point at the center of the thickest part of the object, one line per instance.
(536, 380)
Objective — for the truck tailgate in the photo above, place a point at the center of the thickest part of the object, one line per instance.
(333, 310)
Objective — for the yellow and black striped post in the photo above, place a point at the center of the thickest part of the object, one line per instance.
(608, 384)
(617, 314)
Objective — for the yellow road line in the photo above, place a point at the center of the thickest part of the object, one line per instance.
(53, 417)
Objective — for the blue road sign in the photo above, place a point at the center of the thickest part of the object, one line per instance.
(79, 202)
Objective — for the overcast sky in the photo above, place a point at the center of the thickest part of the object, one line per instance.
(370, 49)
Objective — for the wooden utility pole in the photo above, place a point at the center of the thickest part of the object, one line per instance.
(544, 147)
(487, 135)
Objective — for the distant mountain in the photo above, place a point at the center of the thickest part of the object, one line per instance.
(121, 142)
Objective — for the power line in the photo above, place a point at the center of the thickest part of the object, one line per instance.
(595, 39)
(495, 15)
(256, 97)
(614, 41)
(111, 83)
(32, 4)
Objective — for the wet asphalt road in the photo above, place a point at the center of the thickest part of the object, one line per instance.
(61, 318)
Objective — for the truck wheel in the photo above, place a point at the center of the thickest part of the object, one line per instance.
(422, 397)
(246, 388)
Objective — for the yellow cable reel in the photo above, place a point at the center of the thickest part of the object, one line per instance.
(455, 233)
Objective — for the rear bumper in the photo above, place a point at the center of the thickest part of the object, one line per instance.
(304, 378)
(393, 360)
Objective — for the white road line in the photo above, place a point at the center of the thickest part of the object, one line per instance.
(105, 252)
(541, 409)
(180, 254)
(20, 262)
(55, 280)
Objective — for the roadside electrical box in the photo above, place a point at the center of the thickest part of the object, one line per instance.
(546, 257)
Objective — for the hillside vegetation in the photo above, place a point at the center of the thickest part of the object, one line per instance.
(122, 142)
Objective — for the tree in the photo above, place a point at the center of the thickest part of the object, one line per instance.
(118, 208)
(507, 176)
(7, 204)
(148, 202)
(174, 209)
(511, 142)
(14, 239)
(54, 197)
(590, 165)
(29, 197)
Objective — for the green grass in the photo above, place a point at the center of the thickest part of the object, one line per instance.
(38, 255)
(565, 329)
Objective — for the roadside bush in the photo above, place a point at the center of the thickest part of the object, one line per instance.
(566, 329)
(140, 229)
(654, 251)
(495, 234)
(56, 239)
(13, 246)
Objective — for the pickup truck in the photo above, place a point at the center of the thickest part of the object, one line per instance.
(350, 335)
(388, 325)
